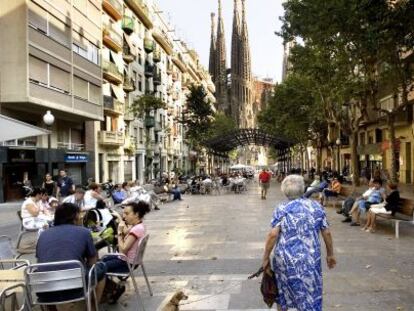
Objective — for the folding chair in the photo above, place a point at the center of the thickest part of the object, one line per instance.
(58, 279)
(138, 262)
(23, 230)
(9, 294)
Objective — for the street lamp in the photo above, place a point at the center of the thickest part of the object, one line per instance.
(338, 144)
(160, 163)
(49, 119)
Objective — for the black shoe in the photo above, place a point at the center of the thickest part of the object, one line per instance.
(156, 208)
(339, 212)
(355, 224)
(347, 220)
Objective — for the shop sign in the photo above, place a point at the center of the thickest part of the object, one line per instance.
(76, 158)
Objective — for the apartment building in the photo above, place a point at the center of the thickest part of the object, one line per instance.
(50, 60)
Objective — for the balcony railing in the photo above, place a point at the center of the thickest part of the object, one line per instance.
(149, 45)
(128, 85)
(149, 121)
(112, 105)
(149, 70)
(113, 8)
(111, 138)
(127, 54)
(156, 56)
(111, 72)
(128, 24)
(71, 146)
(112, 39)
(142, 11)
(20, 142)
(163, 40)
(157, 77)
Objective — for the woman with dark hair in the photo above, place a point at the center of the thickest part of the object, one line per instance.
(31, 211)
(50, 185)
(67, 240)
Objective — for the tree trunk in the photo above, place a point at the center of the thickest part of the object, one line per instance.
(307, 160)
(319, 159)
(354, 158)
(391, 127)
(302, 164)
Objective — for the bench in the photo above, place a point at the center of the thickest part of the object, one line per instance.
(406, 214)
(346, 191)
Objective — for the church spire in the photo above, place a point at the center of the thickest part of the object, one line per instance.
(212, 62)
(246, 70)
(221, 64)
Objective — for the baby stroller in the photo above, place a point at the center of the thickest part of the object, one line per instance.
(103, 226)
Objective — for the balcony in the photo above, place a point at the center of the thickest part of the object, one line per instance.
(128, 85)
(142, 11)
(163, 40)
(113, 8)
(156, 57)
(112, 39)
(149, 70)
(112, 73)
(157, 78)
(149, 121)
(127, 55)
(169, 68)
(71, 146)
(149, 45)
(113, 106)
(111, 138)
(179, 62)
(158, 127)
(128, 24)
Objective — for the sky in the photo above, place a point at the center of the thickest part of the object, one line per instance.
(191, 20)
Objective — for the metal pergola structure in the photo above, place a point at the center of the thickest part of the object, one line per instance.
(243, 137)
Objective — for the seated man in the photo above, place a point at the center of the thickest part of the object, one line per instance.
(333, 191)
(321, 186)
(176, 192)
(67, 240)
(376, 195)
(118, 195)
(77, 198)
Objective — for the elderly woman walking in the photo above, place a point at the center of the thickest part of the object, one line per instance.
(297, 255)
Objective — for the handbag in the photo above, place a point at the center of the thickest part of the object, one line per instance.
(268, 288)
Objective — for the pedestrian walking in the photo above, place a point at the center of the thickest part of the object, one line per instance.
(297, 251)
(49, 185)
(264, 180)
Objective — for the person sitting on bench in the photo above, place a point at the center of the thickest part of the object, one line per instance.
(390, 206)
(333, 191)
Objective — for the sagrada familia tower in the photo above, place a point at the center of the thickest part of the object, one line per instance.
(234, 86)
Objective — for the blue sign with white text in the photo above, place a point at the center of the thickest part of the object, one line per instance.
(76, 158)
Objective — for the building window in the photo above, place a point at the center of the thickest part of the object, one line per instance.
(59, 79)
(140, 83)
(80, 88)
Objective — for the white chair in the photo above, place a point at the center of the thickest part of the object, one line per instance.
(10, 292)
(58, 279)
(138, 262)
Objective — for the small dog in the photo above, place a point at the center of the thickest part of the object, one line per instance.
(173, 304)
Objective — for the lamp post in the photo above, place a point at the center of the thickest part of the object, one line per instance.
(160, 163)
(49, 119)
(338, 159)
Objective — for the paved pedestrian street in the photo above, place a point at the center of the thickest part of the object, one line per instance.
(208, 245)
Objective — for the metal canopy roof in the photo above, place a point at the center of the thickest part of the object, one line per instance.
(243, 137)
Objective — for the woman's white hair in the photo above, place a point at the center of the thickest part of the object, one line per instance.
(293, 186)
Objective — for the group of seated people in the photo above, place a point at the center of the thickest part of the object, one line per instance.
(373, 201)
(63, 235)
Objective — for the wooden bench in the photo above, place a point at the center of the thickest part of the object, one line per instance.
(406, 214)
(346, 191)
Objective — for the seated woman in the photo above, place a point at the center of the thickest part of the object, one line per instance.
(130, 231)
(390, 206)
(376, 195)
(32, 213)
(333, 191)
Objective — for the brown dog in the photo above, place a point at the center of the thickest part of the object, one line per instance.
(173, 304)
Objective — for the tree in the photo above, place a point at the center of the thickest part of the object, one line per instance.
(144, 104)
(198, 117)
(221, 125)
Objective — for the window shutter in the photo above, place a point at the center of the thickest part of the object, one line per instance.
(95, 94)
(59, 78)
(80, 87)
(59, 31)
(38, 17)
(38, 69)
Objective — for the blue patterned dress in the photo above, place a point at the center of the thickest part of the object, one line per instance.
(297, 260)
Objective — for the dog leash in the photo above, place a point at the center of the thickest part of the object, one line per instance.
(254, 275)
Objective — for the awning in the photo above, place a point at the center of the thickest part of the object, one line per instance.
(119, 93)
(14, 129)
(132, 48)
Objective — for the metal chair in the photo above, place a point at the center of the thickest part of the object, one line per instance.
(23, 230)
(58, 279)
(10, 292)
(6, 248)
(138, 262)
